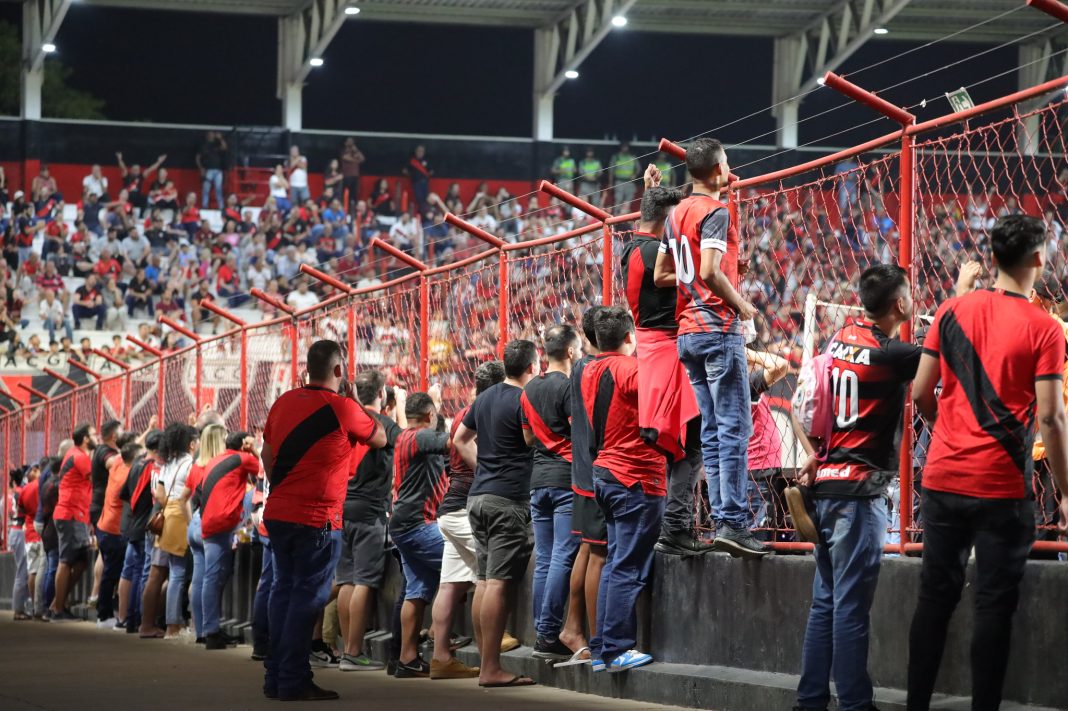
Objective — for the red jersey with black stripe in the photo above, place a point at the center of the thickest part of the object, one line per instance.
(870, 377)
(610, 398)
(419, 480)
(546, 402)
(651, 306)
(29, 498)
(223, 490)
(992, 345)
(702, 222)
(75, 487)
(311, 432)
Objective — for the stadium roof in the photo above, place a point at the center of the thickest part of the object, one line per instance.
(923, 20)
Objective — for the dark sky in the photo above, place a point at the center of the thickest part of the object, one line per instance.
(211, 68)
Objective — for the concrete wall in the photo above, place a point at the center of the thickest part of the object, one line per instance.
(718, 613)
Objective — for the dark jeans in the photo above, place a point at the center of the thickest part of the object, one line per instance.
(633, 519)
(113, 551)
(848, 556)
(682, 479)
(1002, 531)
(218, 565)
(99, 312)
(52, 560)
(304, 562)
(260, 621)
(555, 547)
(137, 302)
(132, 570)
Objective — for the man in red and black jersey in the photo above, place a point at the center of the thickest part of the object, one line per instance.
(136, 495)
(71, 517)
(667, 408)
(307, 452)
(870, 377)
(546, 402)
(459, 557)
(419, 485)
(630, 479)
(701, 250)
(1001, 363)
(222, 498)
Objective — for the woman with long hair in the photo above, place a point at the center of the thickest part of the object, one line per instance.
(176, 452)
(212, 443)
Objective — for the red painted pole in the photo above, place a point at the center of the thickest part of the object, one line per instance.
(351, 318)
(220, 311)
(326, 279)
(1051, 7)
(502, 316)
(294, 342)
(576, 202)
(424, 333)
(608, 264)
(162, 390)
(398, 254)
(905, 222)
(474, 231)
(243, 405)
(863, 96)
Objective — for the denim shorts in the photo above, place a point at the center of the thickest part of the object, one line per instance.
(420, 550)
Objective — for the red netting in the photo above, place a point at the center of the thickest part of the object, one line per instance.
(180, 379)
(86, 402)
(113, 392)
(61, 419)
(13, 432)
(220, 380)
(144, 396)
(464, 328)
(269, 366)
(387, 333)
(34, 433)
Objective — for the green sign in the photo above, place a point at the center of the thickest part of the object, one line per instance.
(960, 100)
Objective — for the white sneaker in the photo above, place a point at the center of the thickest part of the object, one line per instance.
(109, 623)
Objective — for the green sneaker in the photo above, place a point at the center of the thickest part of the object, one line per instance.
(359, 663)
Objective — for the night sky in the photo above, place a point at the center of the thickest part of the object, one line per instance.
(211, 68)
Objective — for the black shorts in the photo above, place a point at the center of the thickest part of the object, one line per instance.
(504, 537)
(73, 541)
(587, 521)
(363, 554)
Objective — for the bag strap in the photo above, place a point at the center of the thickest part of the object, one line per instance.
(176, 480)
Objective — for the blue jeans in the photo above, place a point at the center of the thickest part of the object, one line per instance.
(633, 518)
(196, 580)
(113, 551)
(421, 549)
(51, 326)
(52, 559)
(304, 562)
(848, 556)
(260, 621)
(218, 564)
(175, 588)
(555, 547)
(299, 196)
(716, 365)
(133, 570)
(20, 595)
(213, 178)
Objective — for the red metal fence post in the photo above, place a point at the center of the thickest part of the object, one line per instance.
(424, 332)
(905, 221)
(607, 267)
(502, 316)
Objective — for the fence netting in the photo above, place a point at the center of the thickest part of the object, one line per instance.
(220, 378)
(144, 395)
(35, 427)
(387, 334)
(269, 368)
(61, 419)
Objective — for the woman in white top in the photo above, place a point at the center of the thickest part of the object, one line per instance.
(279, 187)
(258, 273)
(176, 451)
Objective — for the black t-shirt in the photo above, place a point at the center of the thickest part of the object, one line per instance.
(460, 475)
(547, 413)
(581, 432)
(136, 494)
(650, 305)
(369, 490)
(157, 237)
(211, 156)
(504, 460)
(419, 481)
(48, 491)
(99, 476)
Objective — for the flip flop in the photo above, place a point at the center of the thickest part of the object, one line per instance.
(576, 659)
(514, 681)
(153, 635)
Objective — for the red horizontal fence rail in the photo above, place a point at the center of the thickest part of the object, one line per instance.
(264, 378)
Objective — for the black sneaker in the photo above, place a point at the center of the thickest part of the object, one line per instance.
(322, 656)
(215, 640)
(271, 694)
(259, 653)
(391, 667)
(683, 543)
(554, 650)
(65, 616)
(417, 668)
(311, 692)
(740, 543)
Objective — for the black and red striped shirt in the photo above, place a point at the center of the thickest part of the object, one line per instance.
(870, 376)
(136, 494)
(650, 305)
(312, 432)
(419, 481)
(460, 475)
(546, 402)
(223, 490)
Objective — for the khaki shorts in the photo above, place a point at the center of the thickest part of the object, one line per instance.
(459, 560)
(35, 558)
(503, 534)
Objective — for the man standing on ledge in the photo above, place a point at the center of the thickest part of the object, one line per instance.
(307, 449)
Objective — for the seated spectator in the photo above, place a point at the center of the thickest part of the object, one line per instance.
(120, 213)
(89, 302)
(9, 330)
(118, 348)
(165, 197)
(170, 308)
(113, 300)
(136, 247)
(54, 314)
(228, 283)
(406, 233)
(335, 215)
(326, 247)
(56, 234)
(259, 273)
(107, 267)
(347, 265)
(382, 202)
(302, 298)
(95, 182)
(190, 218)
(49, 278)
(274, 291)
(139, 294)
(41, 182)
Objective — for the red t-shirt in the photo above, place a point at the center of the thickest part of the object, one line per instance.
(75, 487)
(992, 346)
(312, 432)
(610, 396)
(29, 498)
(110, 520)
(223, 492)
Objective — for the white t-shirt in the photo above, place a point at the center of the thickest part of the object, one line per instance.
(174, 475)
(95, 185)
(298, 177)
(301, 301)
(258, 278)
(278, 187)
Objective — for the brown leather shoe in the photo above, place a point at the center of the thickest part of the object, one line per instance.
(797, 502)
(452, 669)
(508, 643)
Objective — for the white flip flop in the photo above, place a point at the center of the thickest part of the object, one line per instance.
(576, 659)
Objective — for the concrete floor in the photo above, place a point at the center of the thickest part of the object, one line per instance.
(75, 667)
